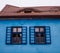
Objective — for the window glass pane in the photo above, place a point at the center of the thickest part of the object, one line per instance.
(16, 38)
(19, 29)
(14, 29)
(39, 38)
(20, 35)
(41, 29)
(36, 29)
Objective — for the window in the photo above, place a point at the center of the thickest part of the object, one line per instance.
(16, 35)
(40, 35)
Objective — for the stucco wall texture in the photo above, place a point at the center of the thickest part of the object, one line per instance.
(54, 47)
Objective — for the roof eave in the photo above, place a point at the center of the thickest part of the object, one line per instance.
(32, 17)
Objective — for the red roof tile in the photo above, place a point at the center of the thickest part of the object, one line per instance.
(43, 11)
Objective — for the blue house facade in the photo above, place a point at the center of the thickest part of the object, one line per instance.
(35, 30)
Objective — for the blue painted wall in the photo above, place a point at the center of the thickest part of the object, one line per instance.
(54, 47)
